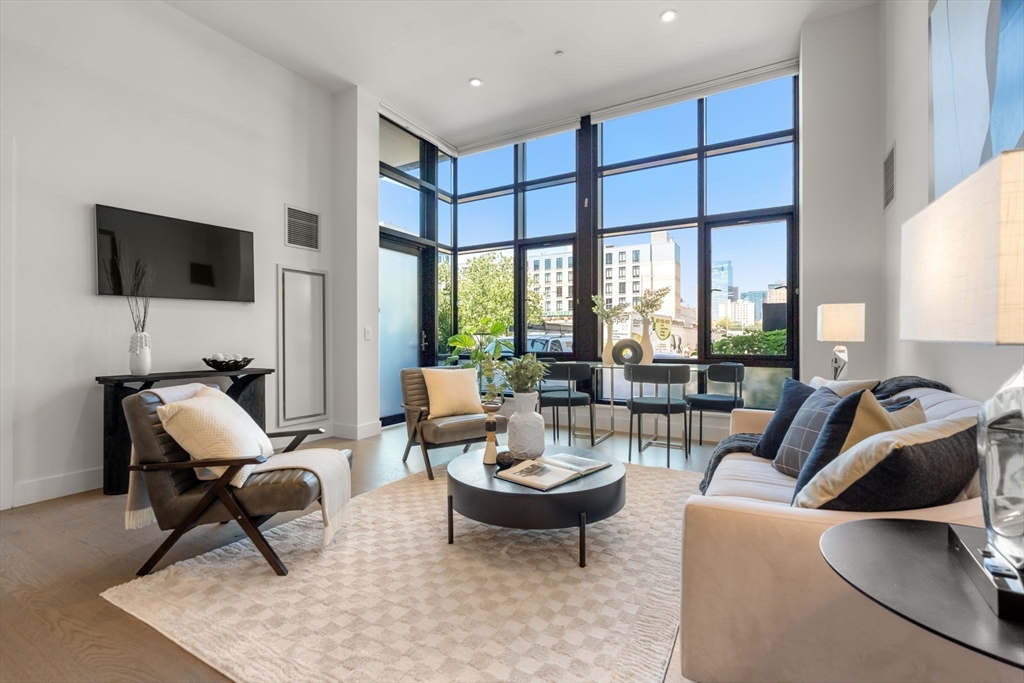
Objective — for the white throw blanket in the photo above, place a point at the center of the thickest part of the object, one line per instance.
(330, 467)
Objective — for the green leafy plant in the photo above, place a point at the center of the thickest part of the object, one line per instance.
(523, 374)
(481, 351)
(650, 302)
(771, 343)
(609, 314)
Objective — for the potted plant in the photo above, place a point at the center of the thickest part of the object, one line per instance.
(609, 315)
(482, 351)
(649, 304)
(526, 426)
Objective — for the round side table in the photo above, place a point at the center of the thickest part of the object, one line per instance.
(907, 567)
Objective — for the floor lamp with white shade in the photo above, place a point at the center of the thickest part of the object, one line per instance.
(962, 280)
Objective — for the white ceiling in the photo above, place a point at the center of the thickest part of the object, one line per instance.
(418, 55)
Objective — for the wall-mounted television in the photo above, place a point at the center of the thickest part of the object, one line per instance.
(187, 260)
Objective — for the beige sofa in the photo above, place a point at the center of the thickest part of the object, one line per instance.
(759, 603)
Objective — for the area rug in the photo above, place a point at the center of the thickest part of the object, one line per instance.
(390, 600)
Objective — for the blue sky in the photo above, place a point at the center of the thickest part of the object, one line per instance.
(737, 181)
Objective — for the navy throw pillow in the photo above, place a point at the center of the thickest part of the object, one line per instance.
(794, 394)
(908, 469)
(852, 420)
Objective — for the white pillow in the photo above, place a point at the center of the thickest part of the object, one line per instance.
(844, 387)
(210, 425)
(452, 392)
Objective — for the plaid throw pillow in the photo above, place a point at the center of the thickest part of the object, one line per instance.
(803, 432)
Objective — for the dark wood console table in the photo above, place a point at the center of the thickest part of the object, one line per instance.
(248, 389)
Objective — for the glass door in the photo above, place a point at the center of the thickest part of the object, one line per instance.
(400, 329)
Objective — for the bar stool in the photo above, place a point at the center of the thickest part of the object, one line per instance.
(667, 405)
(569, 398)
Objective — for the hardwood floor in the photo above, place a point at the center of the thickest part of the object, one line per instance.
(57, 556)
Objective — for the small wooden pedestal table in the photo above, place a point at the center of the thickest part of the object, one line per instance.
(907, 567)
(474, 492)
(247, 389)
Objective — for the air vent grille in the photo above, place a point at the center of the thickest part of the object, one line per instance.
(302, 228)
(889, 178)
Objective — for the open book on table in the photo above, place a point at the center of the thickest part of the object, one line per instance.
(549, 471)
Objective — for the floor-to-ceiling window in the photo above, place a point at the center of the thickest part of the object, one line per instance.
(416, 219)
(516, 229)
(696, 198)
(699, 198)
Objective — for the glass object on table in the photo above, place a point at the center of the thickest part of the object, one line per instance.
(1001, 451)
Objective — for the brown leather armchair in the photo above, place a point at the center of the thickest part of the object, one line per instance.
(457, 430)
(181, 501)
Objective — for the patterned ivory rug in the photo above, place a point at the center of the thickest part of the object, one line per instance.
(390, 600)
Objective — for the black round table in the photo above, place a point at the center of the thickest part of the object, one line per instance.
(907, 567)
(474, 492)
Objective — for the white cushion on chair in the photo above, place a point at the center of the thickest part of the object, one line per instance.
(452, 392)
(211, 425)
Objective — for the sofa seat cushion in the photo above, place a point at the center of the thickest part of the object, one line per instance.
(743, 475)
(442, 430)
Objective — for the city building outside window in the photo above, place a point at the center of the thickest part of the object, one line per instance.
(622, 271)
(636, 255)
(536, 264)
(547, 264)
(622, 257)
(558, 263)
(558, 276)
(607, 258)
(636, 271)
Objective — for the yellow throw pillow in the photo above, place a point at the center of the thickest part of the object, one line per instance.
(844, 387)
(210, 425)
(452, 392)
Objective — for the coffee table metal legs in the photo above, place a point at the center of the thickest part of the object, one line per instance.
(583, 539)
(583, 532)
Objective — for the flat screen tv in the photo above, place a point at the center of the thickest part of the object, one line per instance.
(187, 260)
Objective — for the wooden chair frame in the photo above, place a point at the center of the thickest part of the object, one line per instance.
(415, 435)
(224, 493)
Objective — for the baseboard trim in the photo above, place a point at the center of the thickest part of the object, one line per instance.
(46, 488)
(357, 432)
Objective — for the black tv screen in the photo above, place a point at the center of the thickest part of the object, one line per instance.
(185, 259)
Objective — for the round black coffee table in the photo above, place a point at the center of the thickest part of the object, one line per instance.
(907, 567)
(474, 492)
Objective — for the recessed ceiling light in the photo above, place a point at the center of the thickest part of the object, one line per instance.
(475, 82)
(559, 53)
(668, 15)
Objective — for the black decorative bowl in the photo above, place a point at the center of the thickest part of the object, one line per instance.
(222, 365)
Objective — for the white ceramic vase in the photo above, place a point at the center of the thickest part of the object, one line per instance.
(526, 428)
(646, 345)
(606, 355)
(140, 358)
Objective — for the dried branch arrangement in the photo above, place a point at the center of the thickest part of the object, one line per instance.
(133, 280)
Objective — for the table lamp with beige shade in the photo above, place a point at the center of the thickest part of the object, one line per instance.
(962, 280)
(841, 323)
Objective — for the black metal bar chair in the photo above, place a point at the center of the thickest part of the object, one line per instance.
(667, 405)
(726, 373)
(568, 398)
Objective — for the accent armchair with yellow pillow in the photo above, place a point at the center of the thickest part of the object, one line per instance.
(442, 408)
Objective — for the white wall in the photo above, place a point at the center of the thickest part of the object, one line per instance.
(841, 123)
(137, 105)
(970, 369)
(356, 166)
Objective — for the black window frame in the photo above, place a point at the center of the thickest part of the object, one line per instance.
(587, 238)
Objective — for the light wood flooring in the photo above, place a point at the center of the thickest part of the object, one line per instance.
(56, 557)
